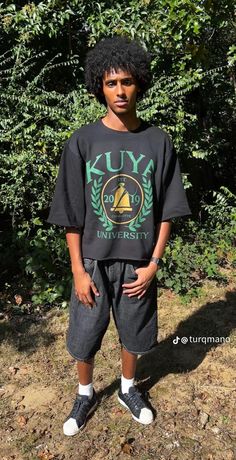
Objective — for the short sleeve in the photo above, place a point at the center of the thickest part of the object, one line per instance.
(68, 203)
(172, 201)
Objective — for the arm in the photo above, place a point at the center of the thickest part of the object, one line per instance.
(82, 280)
(146, 274)
(162, 237)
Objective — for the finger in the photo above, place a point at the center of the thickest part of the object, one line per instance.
(94, 288)
(85, 301)
(134, 289)
(81, 297)
(137, 294)
(141, 295)
(134, 283)
(90, 300)
(133, 292)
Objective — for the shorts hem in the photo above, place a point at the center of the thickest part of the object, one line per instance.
(81, 359)
(140, 352)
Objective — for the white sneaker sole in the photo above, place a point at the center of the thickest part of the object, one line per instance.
(135, 418)
(82, 426)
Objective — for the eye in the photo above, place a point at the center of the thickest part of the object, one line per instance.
(110, 84)
(127, 82)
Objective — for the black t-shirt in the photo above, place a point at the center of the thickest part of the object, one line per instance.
(115, 186)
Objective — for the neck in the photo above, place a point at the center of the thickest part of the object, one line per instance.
(121, 122)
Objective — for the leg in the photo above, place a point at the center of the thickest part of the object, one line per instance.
(85, 371)
(129, 361)
(130, 325)
(86, 330)
(86, 399)
(128, 394)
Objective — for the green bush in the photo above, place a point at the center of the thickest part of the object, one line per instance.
(43, 100)
(199, 250)
(195, 252)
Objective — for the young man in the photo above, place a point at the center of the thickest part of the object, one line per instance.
(118, 187)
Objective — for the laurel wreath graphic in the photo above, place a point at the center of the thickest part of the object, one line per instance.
(136, 223)
(97, 206)
(147, 206)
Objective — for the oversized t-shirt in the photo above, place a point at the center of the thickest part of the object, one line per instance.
(115, 187)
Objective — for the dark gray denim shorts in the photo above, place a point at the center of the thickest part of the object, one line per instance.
(135, 319)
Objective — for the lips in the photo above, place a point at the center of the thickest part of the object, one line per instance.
(121, 103)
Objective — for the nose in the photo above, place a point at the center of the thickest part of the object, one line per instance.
(120, 89)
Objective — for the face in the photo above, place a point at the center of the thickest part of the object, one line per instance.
(120, 91)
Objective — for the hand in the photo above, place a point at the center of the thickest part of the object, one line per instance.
(84, 287)
(140, 286)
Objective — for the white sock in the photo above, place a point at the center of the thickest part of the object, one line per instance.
(126, 384)
(86, 390)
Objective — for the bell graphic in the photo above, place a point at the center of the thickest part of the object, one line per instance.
(121, 199)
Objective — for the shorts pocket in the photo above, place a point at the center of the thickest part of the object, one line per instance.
(130, 269)
(138, 264)
(90, 266)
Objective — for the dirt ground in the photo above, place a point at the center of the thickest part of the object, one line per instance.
(191, 386)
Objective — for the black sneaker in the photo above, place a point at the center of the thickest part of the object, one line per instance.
(137, 406)
(83, 406)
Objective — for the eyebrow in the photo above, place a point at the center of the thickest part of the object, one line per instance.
(107, 80)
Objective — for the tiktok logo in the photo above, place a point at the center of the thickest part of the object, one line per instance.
(183, 340)
(176, 340)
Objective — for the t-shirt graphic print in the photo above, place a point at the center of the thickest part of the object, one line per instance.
(115, 186)
(121, 201)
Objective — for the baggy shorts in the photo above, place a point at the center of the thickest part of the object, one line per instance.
(135, 319)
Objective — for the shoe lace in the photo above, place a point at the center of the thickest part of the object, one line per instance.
(136, 399)
(79, 408)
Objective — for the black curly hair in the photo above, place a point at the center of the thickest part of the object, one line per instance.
(117, 53)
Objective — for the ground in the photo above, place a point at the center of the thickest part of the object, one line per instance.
(191, 386)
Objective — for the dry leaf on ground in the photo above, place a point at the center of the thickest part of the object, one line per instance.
(21, 420)
(45, 455)
(13, 370)
(127, 449)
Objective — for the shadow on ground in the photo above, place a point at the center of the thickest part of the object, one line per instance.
(213, 319)
(27, 332)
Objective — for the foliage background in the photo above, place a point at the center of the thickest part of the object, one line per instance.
(43, 99)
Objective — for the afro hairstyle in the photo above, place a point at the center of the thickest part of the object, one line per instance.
(117, 53)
